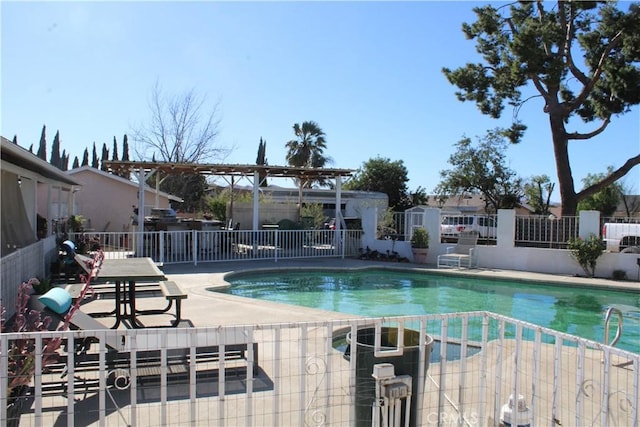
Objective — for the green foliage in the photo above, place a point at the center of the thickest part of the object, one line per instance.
(75, 224)
(419, 197)
(94, 158)
(385, 176)
(606, 200)
(287, 224)
(420, 238)
(538, 193)
(578, 59)
(217, 206)
(41, 286)
(55, 158)
(586, 252)
(482, 169)
(261, 160)
(105, 157)
(42, 148)
(85, 158)
(619, 275)
(307, 150)
(190, 188)
(386, 224)
(315, 213)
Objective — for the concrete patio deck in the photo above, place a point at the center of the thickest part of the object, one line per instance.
(206, 308)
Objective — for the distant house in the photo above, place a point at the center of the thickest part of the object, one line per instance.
(628, 207)
(106, 201)
(282, 203)
(471, 204)
(24, 177)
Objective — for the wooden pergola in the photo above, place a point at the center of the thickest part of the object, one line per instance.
(145, 170)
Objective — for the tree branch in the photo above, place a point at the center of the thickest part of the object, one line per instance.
(583, 136)
(613, 177)
(586, 90)
(568, 43)
(542, 15)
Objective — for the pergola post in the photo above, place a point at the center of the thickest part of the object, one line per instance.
(256, 200)
(338, 223)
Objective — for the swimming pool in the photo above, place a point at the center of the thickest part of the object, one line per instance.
(377, 293)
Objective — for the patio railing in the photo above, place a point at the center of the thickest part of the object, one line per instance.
(194, 246)
(302, 376)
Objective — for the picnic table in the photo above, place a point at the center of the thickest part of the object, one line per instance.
(125, 274)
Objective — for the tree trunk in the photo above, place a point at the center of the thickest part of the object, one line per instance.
(563, 166)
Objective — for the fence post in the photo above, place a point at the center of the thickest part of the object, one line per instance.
(588, 223)
(194, 243)
(506, 232)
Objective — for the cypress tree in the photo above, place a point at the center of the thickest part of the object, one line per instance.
(261, 160)
(31, 148)
(95, 163)
(42, 149)
(125, 155)
(76, 163)
(114, 155)
(15, 139)
(65, 161)
(55, 151)
(105, 157)
(85, 158)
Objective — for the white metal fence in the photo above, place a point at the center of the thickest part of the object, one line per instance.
(546, 232)
(194, 246)
(23, 264)
(298, 374)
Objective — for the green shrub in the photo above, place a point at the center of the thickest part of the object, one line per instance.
(218, 208)
(420, 238)
(586, 252)
(313, 215)
(619, 275)
(41, 286)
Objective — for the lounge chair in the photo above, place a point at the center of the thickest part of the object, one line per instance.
(462, 254)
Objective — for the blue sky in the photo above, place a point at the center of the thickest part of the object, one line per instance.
(368, 72)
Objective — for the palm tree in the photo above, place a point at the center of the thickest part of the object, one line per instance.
(307, 149)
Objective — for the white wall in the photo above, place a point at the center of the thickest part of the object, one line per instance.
(506, 256)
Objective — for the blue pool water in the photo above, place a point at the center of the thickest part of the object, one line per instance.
(375, 293)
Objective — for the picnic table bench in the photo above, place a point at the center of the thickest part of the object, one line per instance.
(149, 366)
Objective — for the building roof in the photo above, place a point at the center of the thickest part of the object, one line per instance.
(119, 179)
(18, 156)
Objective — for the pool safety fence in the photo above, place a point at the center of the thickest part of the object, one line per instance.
(469, 369)
(194, 246)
